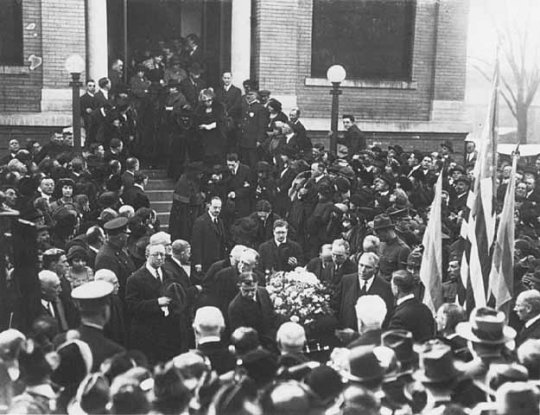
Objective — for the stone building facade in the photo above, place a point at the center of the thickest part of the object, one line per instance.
(275, 42)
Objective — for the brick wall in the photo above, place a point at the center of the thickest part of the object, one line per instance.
(20, 87)
(281, 60)
(64, 28)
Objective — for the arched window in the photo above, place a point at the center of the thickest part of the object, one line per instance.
(11, 32)
(371, 39)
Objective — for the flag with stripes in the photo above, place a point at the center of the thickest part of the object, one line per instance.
(431, 267)
(501, 278)
(478, 226)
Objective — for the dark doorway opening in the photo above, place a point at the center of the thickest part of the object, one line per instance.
(152, 21)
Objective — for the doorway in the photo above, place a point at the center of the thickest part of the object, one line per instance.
(152, 21)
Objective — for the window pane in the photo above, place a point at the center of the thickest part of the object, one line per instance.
(371, 39)
(11, 35)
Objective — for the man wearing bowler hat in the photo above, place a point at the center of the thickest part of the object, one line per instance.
(113, 254)
(93, 299)
(394, 251)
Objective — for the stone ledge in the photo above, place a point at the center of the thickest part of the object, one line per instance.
(14, 70)
(36, 119)
(364, 84)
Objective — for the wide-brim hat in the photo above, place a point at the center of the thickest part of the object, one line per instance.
(196, 68)
(363, 365)
(388, 178)
(397, 148)
(486, 326)
(382, 221)
(458, 168)
(436, 364)
(401, 342)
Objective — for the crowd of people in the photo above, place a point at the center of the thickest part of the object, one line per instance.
(106, 312)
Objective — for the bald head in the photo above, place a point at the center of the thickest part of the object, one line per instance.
(248, 260)
(50, 285)
(528, 305)
(236, 253)
(291, 337)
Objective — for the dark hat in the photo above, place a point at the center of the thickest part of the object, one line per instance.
(64, 216)
(464, 179)
(382, 221)
(396, 213)
(325, 190)
(487, 326)
(263, 166)
(75, 363)
(418, 155)
(77, 251)
(140, 68)
(342, 184)
(448, 145)
(265, 93)
(325, 383)
(515, 398)
(114, 183)
(273, 103)
(458, 168)
(66, 181)
(196, 68)
(376, 149)
(108, 200)
(397, 148)
(92, 396)
(436, 364)
(366, 177)
(27, 186)
(117, 225)
(261, 365)
(107, 214)
(23, 155)
(404, 183)
(364, 365)
(288, 151)
(388, 178)
(401, 342)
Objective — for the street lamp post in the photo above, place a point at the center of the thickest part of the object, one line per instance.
(336, 75)
(75, 65)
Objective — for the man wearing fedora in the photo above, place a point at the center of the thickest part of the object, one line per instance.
(528, 310)
(487, 335)
(394, 252)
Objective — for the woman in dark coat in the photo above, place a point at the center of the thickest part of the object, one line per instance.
(210, 125)
(188, 202)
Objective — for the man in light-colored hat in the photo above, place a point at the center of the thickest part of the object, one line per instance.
(93, 299)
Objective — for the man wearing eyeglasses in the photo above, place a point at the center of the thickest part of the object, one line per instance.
(155, 326)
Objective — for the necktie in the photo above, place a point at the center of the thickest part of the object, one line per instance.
(158, 276)
(51, 309)
(363, 290)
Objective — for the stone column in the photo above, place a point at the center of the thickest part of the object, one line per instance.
(241, 41)
(96, 14)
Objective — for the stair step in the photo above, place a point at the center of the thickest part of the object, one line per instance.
(159, 195)
(159, 185)
(163, 218)
(161, 206)
(157, 174)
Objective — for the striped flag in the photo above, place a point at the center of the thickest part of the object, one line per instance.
(431, 267)
(478, 228)
(501, 278)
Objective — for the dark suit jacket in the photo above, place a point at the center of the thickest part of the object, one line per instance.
(128, 179)
(118, 261)
(191, 90)
(179, 274)
(354, 139)
(232, 100)
(220, 357)
(348, 292)
(87, 102)
(259, 315)
(526, 333)
(276, 258)
(242, 184)
(153, 333)
(369, 338)
(102, 347)
(100, 100)
(416, 317)
(333, 276)
(208, 241)
(253, 124)
(136, 197)
(304, 143)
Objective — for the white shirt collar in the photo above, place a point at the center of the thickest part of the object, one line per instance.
(209, 339)
(45, 304)
(140, 186)
(532, 321)
(403, 299)
(361, 281)
(153, 270)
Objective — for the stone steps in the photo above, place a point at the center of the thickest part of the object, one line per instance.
(160, 192)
